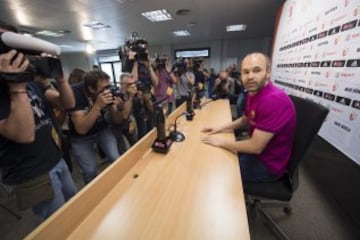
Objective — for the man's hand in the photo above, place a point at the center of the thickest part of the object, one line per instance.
(103, 99)
(132, 90)
(118, 102)
(10, 65)
(211, 130)
(132, 55)
(212, 140)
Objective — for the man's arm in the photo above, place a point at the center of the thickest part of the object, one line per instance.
(190, 78)
(84, 121)
(154, 78)
(62, 99)
(236, 124)
(255, 145)
(19, 126)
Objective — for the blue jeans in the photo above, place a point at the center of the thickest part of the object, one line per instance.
(253, 170)
(240, 103)
(84, 152)
(63, 186)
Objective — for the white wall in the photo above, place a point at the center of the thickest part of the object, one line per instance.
(76, 60)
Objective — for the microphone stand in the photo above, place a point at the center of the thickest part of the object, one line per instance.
(175, 135)
(162, 143)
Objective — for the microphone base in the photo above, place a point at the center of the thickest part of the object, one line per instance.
(177, 136)
(190, 115)
(162, 146)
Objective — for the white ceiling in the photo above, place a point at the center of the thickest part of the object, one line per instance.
(124, 17)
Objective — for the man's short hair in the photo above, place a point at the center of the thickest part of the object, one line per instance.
(125, 75)
(93, 77)
(267, 59)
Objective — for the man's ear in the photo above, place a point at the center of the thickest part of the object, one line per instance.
(91, 90)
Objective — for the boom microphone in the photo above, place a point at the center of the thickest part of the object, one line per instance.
(26, 44)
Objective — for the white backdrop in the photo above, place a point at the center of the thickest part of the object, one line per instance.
(317, 56)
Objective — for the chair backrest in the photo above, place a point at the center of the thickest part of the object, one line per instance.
(309, 118)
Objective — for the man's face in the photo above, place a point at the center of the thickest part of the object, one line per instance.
(254, 73)
(128, 82)
(102, 85)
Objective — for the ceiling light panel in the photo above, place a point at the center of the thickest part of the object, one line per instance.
(157, 15)
(49, 33)
(181, 33)
(236, 28)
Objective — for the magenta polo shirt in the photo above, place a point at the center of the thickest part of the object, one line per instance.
(271, 110)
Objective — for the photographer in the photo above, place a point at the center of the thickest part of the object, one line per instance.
(127, 128)
(138, 64)
(224, 87)
(88, 125)
(30, 160)
(185, 80)
(167, 79)
(201, 74)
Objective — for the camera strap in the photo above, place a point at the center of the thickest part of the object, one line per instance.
(17, 77)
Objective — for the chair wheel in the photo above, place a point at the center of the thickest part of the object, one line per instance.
(287, 210)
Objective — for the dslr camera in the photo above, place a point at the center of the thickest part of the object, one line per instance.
(115, 91)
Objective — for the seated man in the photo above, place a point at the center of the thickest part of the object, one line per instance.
(271, 118)
(88, 124)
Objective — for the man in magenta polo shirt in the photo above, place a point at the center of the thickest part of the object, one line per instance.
(271, 119)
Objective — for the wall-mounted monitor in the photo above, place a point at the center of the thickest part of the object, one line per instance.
(192, 53)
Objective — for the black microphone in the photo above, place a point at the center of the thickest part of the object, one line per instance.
(175, 135)
(189, 106)
(26, 44)
(162, 143)
(198, 96)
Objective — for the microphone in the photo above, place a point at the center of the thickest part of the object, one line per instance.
(198, 91)
(162, 143)
(189, 106)
(175, 135)
(26, 44)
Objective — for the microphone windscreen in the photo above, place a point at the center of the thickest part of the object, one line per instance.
(28, 45)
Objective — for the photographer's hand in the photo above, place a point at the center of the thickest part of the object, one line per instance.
(132, 55)
(11, 64)
(103, 99)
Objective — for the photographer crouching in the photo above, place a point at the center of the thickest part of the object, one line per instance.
(224, 87)
(30, 160)
(88, 124)
(138, 64)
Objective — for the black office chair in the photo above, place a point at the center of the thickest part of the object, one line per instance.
(310, 117)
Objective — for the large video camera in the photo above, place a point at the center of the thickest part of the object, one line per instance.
(134, 44)
(46, 66)
(179, 67)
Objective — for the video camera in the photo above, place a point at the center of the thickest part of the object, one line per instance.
(46, 66)
(135, 44)
(179, 67)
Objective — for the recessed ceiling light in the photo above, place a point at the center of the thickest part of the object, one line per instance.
(181, 33)
(96, 25)
(49, 33)
(235, 28)
(157, 15)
